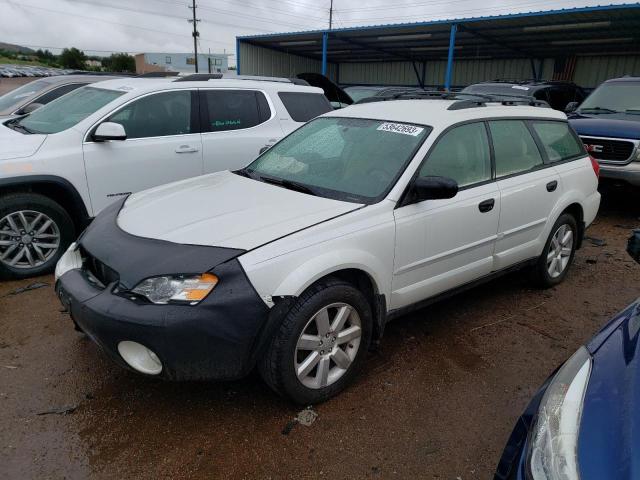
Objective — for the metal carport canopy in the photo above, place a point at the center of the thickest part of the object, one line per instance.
(601, 30)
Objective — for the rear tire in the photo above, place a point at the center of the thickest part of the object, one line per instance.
(556, 259)
(34, 233)
(309, 363)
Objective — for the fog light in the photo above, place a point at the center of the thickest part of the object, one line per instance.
(140, 358)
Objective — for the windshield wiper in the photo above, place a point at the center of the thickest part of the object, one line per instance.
(597, 110)
(289, 184)
(633, 111)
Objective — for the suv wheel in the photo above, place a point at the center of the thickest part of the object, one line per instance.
(34, 233)
(558, 252)
(321, 344)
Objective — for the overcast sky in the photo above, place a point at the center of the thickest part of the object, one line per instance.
(104, 26)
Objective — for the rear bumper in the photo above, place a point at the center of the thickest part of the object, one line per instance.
(213, 340)
(629, 173)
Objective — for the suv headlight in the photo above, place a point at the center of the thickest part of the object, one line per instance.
(186, 289)
(553, 446)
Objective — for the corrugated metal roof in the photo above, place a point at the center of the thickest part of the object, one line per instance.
(569, 31)
(538, 13)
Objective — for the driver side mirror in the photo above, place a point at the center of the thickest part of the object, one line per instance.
(571, 107)
(434, 188)
(32, 107)
(109, 131)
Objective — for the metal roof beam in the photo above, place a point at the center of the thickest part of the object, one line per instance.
(494, 40)
(376, 49)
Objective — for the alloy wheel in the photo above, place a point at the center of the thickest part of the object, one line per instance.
(328, 345)
(560, 251)
(28, 239)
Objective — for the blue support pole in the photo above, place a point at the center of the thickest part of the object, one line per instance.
(237, 56)
(325, 42)
(452, 47)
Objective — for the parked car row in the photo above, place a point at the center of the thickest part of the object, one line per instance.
(294, 261)
(10, 71)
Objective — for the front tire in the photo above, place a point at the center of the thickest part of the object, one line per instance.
(320, 345)
(557, 256)
(34, 233)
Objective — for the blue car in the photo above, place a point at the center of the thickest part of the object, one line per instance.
(583, 424)
(608, 122)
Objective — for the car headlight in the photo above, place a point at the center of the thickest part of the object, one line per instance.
(187, 289)
(553, 448)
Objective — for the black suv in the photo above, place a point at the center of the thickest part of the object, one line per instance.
(557, 94)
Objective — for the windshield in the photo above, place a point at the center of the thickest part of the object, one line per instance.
(614, 97)
(68, 110)
(349, 159)
(12, 100)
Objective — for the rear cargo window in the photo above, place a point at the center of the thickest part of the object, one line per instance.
(558, 141)
(304, 106)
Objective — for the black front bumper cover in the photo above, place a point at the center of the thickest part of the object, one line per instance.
(220, 338)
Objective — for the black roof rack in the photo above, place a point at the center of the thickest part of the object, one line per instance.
(464, 100)
(199, 77)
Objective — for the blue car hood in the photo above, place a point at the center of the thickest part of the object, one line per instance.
(609, 442)
(618, 125)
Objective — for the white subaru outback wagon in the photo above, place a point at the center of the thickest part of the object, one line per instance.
(63, 163)
(295, 263)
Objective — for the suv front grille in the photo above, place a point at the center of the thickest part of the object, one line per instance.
(609, 150)
(96, 270)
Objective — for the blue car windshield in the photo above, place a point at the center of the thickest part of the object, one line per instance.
(613, 97)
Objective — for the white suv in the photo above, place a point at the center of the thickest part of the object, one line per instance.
(62, 164)
(296, 262)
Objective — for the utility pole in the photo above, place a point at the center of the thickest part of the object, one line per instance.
(331, 15)
(195, 34)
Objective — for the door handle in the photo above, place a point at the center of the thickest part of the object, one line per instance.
(551, 186)
(186, 149)
(487, 205)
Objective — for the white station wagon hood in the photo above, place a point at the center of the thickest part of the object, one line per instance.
(18, 145)
(224, 210)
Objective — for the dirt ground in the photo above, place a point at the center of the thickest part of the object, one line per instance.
(437, 400)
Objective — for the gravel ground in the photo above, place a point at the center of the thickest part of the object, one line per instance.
(437, 400)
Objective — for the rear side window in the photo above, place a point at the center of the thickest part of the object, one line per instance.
(58, 92)
(304, 106)
(558, 141)
(234, 109)
(514, 147)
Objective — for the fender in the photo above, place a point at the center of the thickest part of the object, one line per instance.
(78, 205)
(314, 269)
(568, 198)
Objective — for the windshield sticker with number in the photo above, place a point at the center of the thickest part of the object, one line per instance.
(401, 128)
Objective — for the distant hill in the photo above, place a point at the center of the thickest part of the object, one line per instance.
(15, 48)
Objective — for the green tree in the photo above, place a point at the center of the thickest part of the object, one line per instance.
(73, 58)
(119, 62)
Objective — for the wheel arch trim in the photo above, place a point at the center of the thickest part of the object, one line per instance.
(29, 181)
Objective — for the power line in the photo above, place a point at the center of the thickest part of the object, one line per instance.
(259, 19)
(271, 10)
(451, 14)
